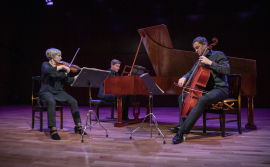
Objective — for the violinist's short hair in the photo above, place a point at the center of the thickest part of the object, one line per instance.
(115, 61)
(52, 52)
(200, 40)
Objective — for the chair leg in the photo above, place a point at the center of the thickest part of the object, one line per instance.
(112, 112)
(220, 122)
(33, 118)
(97, 110)
(204, 122)
(223, 124)
(41, 120)
(239, 123)
(61, 118)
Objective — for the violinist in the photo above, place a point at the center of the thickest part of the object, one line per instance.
(52, 90)
(217, 86)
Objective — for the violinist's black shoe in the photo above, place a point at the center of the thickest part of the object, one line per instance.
(174, 129)
(178, 138)
(79, 130)
(54, 135)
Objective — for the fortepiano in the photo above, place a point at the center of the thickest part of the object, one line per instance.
(169, 65)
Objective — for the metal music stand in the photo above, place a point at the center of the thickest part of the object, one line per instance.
(154, 90)
(92, 78)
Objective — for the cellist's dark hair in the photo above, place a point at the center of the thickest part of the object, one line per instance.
(200, 40)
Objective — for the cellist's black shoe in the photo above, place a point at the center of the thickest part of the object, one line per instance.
(79, 130)
(126, 120)
(178, 138)
(174, 129)
(54, 135)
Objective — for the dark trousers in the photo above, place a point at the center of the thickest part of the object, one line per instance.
(125, 103)
(48, 98)
(214, 96)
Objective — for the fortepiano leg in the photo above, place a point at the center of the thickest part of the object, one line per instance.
(119, 112)
(250, 124)
(119, 122)
(136, 110)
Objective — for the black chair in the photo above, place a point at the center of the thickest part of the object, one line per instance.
(231, 105)
(103, 103)
(38, 107)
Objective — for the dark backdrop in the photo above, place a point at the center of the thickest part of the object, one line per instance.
(107, 29)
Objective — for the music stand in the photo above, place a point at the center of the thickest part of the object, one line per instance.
(92, 78)
(154, 90)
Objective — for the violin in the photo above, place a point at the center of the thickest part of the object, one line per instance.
(73, 68)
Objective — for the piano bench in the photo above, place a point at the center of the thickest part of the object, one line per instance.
(103, 103)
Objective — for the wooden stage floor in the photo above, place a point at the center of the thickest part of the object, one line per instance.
(25, 147)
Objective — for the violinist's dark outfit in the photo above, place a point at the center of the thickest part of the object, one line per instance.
(112, 97)
(217, 86)
(52, 91)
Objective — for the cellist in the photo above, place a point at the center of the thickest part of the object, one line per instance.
(217, 86)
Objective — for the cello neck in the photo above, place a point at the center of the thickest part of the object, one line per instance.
(205, 52)
(215, 40)
(199, 63)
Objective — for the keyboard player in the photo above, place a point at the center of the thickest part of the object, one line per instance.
(115, 66)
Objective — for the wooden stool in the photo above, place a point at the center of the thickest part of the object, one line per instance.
(103, 103)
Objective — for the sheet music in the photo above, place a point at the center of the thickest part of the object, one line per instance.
(150, 84)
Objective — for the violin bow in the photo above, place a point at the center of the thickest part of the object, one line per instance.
(74, 57)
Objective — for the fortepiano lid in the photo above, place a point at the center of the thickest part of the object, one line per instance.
(167, 61)
(158, 34)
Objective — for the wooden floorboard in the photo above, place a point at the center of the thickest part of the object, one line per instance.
(22, 146)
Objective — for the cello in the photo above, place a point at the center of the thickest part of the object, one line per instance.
(197, 80)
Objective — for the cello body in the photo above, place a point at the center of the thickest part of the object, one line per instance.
(198, 82)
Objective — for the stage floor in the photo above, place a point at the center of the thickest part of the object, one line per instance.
(22, 146)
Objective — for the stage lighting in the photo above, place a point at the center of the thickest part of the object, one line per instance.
(49, 2)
